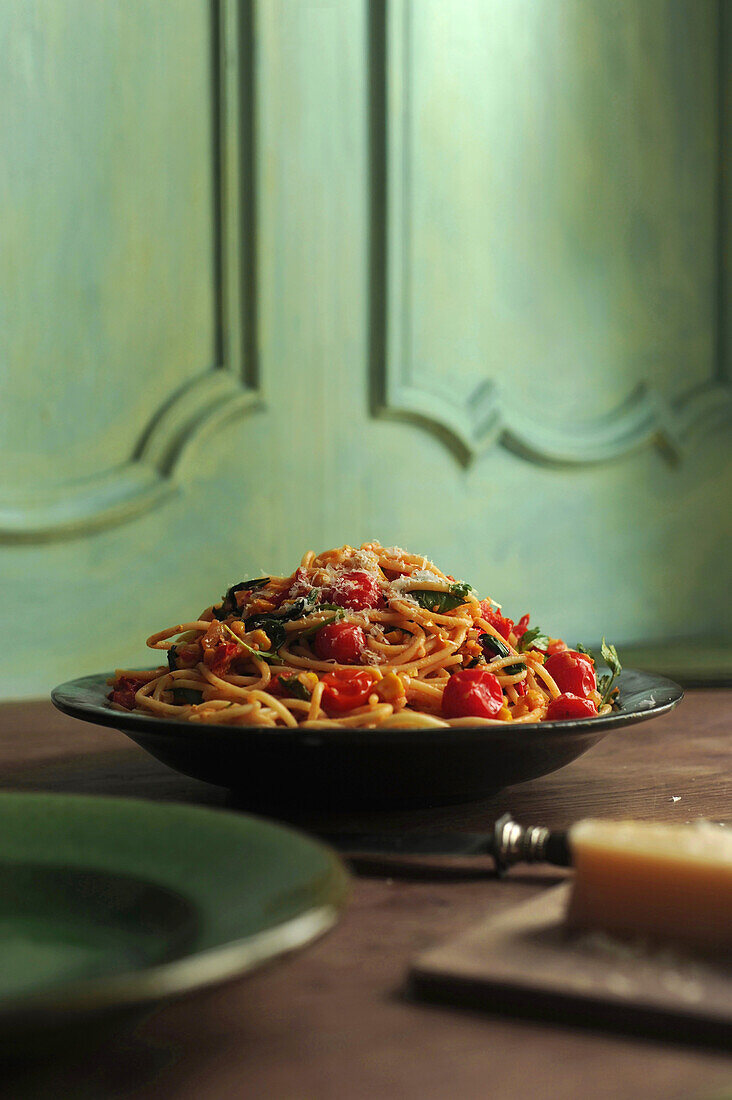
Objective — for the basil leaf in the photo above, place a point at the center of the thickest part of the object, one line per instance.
(272, 627)
(302, 606)
(493, 647)
(440, 602)
(181, 696)
(533, 638)
(298, 609)
(272, 622)
(172, 653)
(229, 605)
(294, 688)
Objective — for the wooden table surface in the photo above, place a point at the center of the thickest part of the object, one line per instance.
(336, 1022)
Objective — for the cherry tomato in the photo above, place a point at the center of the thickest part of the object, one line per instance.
(124, 691)
(341, 642)
(356, 590)
(521, 626)
(220, 658)
(345, 689)
(572, 672)
(472, 693)
(274, 687)
(570, 706)
(557, 646)
(498, 622)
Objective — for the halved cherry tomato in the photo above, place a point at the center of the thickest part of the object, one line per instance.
(220, 658)
(498, 622)
(356, 590)
(274, 687)
(341, 642)
(472, 693)
(521, 626)
(570, 706)
(572, 672)
(123, 694)
(345, 689)
(557, 646)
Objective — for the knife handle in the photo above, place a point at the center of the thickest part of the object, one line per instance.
(514, 843)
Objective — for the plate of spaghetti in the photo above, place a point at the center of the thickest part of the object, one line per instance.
(365, 676)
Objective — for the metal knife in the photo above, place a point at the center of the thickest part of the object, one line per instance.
(507, 843)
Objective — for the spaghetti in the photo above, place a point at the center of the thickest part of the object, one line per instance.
(368, 637)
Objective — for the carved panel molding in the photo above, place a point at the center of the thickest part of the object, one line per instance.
(230, 387)
(471, 425)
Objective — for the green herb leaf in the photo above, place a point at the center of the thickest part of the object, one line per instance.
(606, 683)
(493, 647)
(272, 623)
(273, 627)
(610, 657)
(268, 655)
(229, 605)
(587, 652)
(441, 602)
(294, 688)
(181, 696)
(300, 607)
(172, 653)
(533, 638)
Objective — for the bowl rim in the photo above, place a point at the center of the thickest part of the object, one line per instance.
(131, 722)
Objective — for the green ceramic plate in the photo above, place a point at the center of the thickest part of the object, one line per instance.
(108, 905)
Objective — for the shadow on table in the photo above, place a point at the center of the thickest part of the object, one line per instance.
(102, 1066)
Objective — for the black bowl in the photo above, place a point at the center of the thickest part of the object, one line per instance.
(352, 768)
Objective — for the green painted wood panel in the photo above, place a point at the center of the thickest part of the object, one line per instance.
(558, 162)
(107, 282)
(637, 547)
(127, 275)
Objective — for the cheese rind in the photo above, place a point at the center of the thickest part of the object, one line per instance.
(666, 883)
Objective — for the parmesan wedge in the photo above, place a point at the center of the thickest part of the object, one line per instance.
(669, 883)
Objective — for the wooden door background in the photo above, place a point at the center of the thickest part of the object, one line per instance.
(279, 274)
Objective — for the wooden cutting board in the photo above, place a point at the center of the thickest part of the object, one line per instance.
(525, 962)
